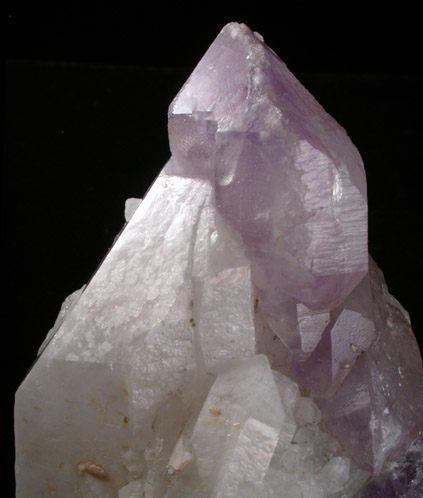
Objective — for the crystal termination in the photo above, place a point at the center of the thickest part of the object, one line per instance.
(238, 340)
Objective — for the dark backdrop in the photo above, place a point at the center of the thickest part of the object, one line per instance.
(87, 90)
(320, 36)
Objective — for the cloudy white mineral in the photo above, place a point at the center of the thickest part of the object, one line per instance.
(238, 340)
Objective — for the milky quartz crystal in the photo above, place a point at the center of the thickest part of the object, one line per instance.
(238, 340)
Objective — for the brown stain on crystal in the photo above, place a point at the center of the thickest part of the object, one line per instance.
(125, 420)
(92, 468)
(256, 305)
(51, 488)
(215, 411)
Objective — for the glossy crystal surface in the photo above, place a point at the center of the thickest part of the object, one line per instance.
(238, 339)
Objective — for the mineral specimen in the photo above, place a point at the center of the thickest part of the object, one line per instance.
(238, 340)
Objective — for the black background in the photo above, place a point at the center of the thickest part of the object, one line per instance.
(87, 90)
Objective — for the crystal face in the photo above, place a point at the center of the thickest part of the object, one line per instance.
(237, 340)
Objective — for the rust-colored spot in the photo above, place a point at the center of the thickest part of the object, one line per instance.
(93, 469)
(215, 411)
(60, 466)
(125, 420)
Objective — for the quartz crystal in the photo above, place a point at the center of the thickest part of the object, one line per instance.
(237, 340)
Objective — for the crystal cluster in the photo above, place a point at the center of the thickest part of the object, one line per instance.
(238, 340)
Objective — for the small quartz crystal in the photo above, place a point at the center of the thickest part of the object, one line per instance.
(237, 341)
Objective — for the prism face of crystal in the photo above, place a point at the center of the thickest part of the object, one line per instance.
(287, 177)
(229, 424)
(237, 339)
(404, 479)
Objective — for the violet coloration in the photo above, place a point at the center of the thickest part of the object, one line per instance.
(238, 341)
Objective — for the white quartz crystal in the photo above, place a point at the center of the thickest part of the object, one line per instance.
(311, 325)
(236, 341)
(131, 205)
(150, 384)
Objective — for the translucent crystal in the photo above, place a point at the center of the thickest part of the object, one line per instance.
(237, 340)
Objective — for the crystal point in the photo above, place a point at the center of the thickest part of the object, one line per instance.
(288, 178)
(237, 340)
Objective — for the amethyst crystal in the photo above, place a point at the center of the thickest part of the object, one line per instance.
(289, 181)
(238, 340)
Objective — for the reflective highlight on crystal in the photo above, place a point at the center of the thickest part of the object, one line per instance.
(237, 340)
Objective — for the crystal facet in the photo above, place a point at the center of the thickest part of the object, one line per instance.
(237, 340)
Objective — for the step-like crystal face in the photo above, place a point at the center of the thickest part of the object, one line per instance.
(238, 339)
(287, 178)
